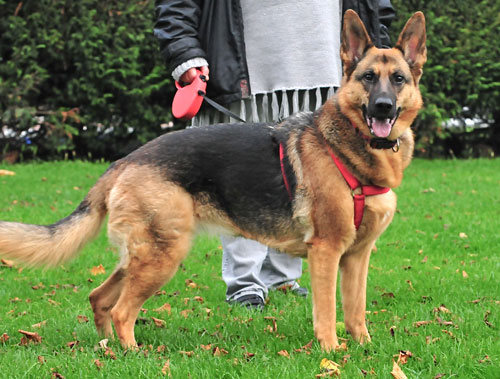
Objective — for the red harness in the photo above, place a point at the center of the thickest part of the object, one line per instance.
(358, 191)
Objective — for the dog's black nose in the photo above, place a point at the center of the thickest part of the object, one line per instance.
(383, 105)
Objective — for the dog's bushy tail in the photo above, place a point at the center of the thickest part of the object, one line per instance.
(51, 245)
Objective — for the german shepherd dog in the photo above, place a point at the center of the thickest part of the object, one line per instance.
(274, 183)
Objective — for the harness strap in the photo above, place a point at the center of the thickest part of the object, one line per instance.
(359, 192)
(283, 172)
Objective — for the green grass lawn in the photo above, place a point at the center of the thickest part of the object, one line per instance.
(433, 290)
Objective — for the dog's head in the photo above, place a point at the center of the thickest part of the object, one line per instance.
(379, 91)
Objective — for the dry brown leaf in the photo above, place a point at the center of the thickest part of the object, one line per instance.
(164, 308)
(7, 173)
(110, 353)
(186, 353)
(166, 369)
(72, 344)
(159, 322)
(82, 319)
(29, 337)
(217, 352)
(41, 359)
(191, 284)
(98, 270)
(403, 356)
(98, 364)
(4, 338)
(396, 372)
(53, 302)
(463, 235)
(206, 347)
(103, 344)
(185, 313)
(57, 375)
(284, 353)
(40, 324)
(464, 274)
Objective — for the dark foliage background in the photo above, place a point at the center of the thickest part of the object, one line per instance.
(462, 70)
(85, 78)
(80, 77)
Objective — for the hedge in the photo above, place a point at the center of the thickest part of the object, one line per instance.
(85, 78)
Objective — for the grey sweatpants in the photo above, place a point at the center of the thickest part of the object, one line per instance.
(248, 267)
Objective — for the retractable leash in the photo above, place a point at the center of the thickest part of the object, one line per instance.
(188, 99)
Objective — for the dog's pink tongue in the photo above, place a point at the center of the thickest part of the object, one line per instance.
(381, 128)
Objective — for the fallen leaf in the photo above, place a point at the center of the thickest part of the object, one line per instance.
(418, 324)
(82, 319)
(463, 235)
(403, 356)
(164, 308)
(464, 274)
(4, 338)
(485, 319)
(159, 322)
(199, 299)
(190, 284)
(328, 368)
(217, 352)
(98, 364)
(29, 337)
(53, 302)
(41, 359)
(284, 353)
(7, 173)
(166, 369)
(72, 344)
(57, 375)
(98, 270)
(186, 353)
(396, 372)
(40, 324)
(485, 359)
(103, 344)
(441, 309)
(110, 353)
(185, 313)
(206, 347)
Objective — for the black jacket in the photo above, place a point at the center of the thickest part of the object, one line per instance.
(213, 29)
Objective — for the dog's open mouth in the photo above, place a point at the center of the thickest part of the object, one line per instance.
(380, 127)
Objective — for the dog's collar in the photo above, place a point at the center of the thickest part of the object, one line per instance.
(377, 142)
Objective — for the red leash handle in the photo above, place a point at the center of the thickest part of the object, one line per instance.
(187, 99)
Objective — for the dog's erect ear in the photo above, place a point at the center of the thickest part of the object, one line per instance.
(355, 40)
(411, 42)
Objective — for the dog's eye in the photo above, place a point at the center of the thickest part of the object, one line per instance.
(399, 79)
(369, 76)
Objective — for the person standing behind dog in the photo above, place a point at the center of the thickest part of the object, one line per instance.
(264, 60)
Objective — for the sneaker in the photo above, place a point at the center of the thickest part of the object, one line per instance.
(294, 288)
(250, 301)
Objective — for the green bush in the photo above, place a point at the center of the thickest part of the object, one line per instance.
(82, 77)
(86, 77)
(462, 70)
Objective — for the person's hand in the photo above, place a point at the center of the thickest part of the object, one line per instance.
(190, 74)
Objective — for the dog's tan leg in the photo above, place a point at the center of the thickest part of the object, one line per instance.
(354, 272)
(148, 270)
(354, 264)
(103, 298)
(323, 266)
(152, 221)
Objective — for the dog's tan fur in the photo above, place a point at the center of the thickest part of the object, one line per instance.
(152, 219)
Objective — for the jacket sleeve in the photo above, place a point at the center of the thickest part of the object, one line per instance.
(176, 27)
(386, 14)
